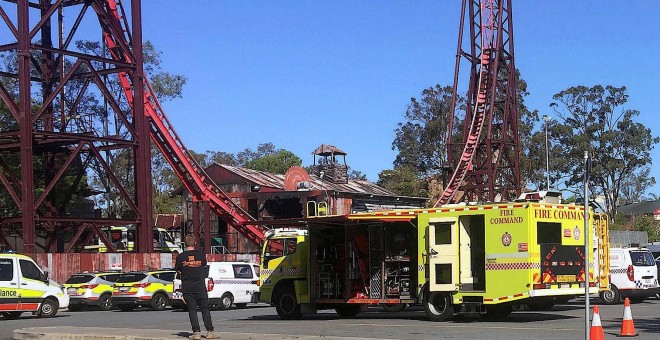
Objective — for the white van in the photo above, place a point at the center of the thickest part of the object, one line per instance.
(633, 274)
(228, 283)
(24, 287)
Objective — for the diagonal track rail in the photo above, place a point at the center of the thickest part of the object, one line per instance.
(191, 174)
(484, 89)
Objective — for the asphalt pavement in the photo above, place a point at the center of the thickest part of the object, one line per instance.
(563, 322)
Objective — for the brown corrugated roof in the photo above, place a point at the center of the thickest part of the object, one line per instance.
(277, 181)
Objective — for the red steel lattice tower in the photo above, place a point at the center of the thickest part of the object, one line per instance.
(485, 154)
(63, 123)
(52, 117)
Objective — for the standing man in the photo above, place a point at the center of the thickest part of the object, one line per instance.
(191, 264)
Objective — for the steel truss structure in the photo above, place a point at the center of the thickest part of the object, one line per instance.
(486, 158)
(57, 135)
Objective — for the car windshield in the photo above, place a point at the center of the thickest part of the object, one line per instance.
(79, 279)
(131, 277)
(642, 258)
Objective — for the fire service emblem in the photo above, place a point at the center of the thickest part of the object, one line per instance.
(576, 233)
(506, 239)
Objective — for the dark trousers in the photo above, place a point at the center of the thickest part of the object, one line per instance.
(194, 300)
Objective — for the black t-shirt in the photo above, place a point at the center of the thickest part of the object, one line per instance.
(192, 266)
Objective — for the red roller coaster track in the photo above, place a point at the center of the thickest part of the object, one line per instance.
(488, 167)
(194, 178)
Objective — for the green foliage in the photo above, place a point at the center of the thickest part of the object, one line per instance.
(221, 157)
(166, 85)
(403, 180)
(531, 170)
(356, 175)
(637, 223)
(595, 119)
(278, 162)
(421, 139)
(247, 155)
(647, 224)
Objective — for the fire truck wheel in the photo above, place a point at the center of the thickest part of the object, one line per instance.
(287, 306)
(225, 301)
(610, 296)
(438, 306)
(497, 312)
(349, 310)
(394, 307)
(11, 315)
(48, 308)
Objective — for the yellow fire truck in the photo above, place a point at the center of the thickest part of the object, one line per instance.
(482, 259)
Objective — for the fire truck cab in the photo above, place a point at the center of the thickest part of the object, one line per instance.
(456, 259)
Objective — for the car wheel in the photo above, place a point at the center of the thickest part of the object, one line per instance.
(610, 296)
(287, 306)
(158, 302)
(438, 306)
(126, 308)
(48, 308)
(226, 301)
(105, 303)
(11, 315)
(74, 308)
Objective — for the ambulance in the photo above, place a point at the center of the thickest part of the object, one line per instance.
(24, 287)
(462, 259)
(123, 240)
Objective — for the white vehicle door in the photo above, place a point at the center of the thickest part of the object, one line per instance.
(33, 285)
(645, 272)
(9, 294)
(242, 284)
(618, 269)
(443, 248)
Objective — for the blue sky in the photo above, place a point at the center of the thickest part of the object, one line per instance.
(302, 73)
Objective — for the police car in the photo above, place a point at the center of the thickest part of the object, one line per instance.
(229, 283)
(143, 288)
(633, 274)
(24, 287)
(91, 289)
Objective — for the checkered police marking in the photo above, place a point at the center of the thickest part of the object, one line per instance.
(232, 282)
(512, 266)
(281, 271)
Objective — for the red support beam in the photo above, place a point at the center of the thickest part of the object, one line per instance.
(25, 114)
(143, 152)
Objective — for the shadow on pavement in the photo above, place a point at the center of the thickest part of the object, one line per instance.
(521, 317)
(183, 334)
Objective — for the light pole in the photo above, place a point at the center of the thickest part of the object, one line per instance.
(547, 120)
